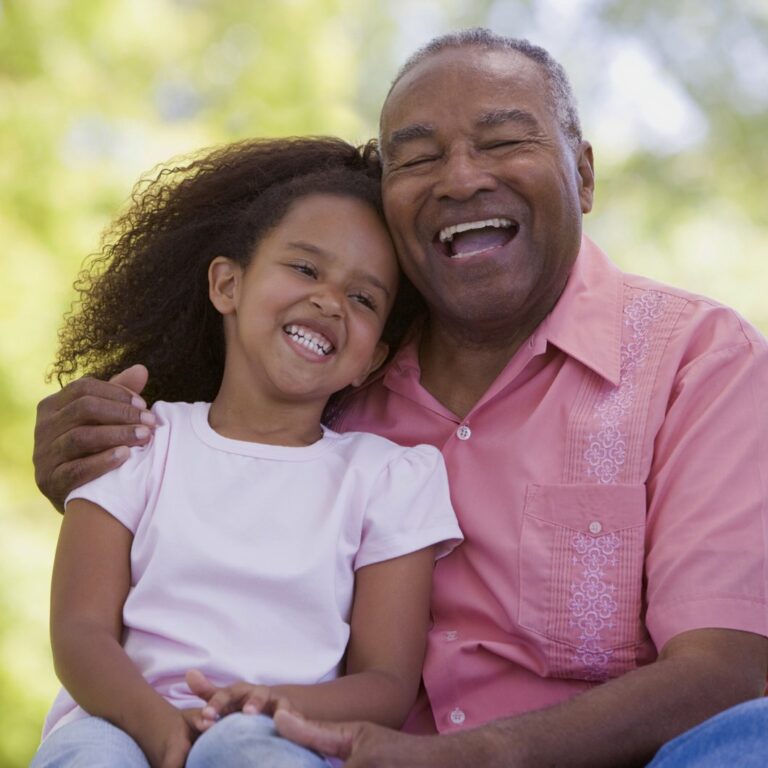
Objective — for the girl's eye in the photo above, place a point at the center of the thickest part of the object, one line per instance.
(365, 300)
(304, 268)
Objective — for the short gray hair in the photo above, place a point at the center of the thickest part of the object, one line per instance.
(563, 100)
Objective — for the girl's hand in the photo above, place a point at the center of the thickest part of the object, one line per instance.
(238, 697)
(168, 740)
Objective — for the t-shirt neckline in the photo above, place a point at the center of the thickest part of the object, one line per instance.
(213, 439)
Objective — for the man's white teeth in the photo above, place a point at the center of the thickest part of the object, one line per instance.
(309, 339)
(446, 235)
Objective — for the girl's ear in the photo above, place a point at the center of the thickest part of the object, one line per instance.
(224, 277)
(377, 360)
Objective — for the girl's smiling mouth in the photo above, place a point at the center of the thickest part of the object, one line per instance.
(311, 340)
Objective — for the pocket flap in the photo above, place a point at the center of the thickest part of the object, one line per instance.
(579, 507)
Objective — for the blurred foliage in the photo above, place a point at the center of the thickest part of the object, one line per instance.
(96, 92)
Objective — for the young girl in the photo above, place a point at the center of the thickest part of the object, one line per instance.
(246, 541)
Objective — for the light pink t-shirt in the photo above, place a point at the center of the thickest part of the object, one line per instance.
(627, 438)
(244, 555)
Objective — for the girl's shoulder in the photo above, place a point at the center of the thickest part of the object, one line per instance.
(379, 452)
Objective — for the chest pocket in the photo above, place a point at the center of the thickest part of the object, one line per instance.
(581, 571)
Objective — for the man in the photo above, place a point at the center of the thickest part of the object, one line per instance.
(604, 438)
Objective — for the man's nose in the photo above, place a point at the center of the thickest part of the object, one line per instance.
(464, 173)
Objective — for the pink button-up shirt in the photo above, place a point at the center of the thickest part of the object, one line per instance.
(612, 488)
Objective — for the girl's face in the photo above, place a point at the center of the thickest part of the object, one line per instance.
(304, 318)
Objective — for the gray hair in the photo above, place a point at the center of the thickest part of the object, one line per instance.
(563, 100)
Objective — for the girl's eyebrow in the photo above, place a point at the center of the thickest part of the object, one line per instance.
(302, 245)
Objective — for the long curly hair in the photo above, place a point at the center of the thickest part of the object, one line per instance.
(144, 297)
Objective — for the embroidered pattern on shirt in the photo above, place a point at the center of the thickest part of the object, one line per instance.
(607, 449)
(592, 603)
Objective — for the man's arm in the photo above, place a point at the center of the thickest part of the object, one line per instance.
(620, 723)
(85, 429)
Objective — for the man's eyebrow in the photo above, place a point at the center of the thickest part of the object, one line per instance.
(408, 133)
(302, 245)
(503, 116)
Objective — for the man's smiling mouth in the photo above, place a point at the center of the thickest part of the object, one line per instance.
(474, 237)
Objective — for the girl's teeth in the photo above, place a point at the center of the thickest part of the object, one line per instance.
(309, 340)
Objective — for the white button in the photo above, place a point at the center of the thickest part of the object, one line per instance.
(458, 716)
(450, 635)
(595, 527)
(463, 432)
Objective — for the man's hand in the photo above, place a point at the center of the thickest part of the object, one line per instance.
(85, 430)
(238, 697)
(364, 745)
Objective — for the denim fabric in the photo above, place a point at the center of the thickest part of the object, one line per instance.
(249, 741)
(736, 738)
(237, 740)
(90, 742)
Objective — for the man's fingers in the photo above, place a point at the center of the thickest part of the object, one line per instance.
(133, 378)
(334, 739)
(80, 442)
(87, 387)
(83, 430)
(97, 410)
(73, 474)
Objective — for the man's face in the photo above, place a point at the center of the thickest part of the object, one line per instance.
(482, 192)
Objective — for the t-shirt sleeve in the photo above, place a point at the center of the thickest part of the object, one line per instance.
(409, 509)
(124, 492)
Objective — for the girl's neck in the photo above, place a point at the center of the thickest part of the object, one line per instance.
(241, 415)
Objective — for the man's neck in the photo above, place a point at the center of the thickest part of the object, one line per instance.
(458, 370)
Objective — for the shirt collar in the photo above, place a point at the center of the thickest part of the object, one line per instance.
(585, 323)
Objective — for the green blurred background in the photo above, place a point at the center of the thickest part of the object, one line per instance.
(93, 93)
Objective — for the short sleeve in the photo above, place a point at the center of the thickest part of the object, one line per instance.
(124, 492)
(708, 497)
(409, 508)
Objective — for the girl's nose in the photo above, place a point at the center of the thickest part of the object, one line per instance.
(329, 301)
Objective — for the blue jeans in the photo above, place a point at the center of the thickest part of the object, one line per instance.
(736, 738)
(247, 741)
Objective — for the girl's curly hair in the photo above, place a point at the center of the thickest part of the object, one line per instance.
(144, 297)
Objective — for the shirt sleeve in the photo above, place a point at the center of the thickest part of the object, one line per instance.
(125, 491)
(409, 508)
(707, 557)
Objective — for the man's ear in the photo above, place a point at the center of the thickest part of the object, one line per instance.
(585, 166)
(377, 360)
(224, 277)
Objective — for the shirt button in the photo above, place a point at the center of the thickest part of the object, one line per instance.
(450, 635)
(595, 527)
(457, 716)
(463, 432)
